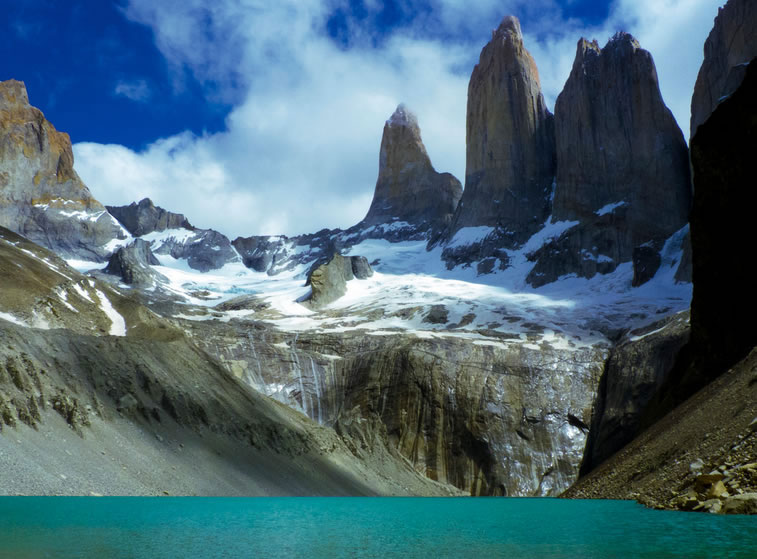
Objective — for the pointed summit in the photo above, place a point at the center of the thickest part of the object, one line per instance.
(408, 188)
(622, 166)
(510, 141)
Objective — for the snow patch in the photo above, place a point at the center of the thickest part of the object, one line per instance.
(10, 318)
(609, 208)
(117, 322)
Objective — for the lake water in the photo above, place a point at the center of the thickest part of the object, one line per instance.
(122, 527)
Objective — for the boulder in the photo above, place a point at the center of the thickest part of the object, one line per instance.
(408, 188)
(646, 261)
(328, 281)
(745, 503)
(132, 264)
(729, 48)
(510, 161)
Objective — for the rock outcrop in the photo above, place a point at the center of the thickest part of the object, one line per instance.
(510, 161)
(204, 249)
(622, 163)
(408, 188)
(328, 281)
(132, 264)
(729, 48)
(144, 217)
(636, 369)
(41, 196)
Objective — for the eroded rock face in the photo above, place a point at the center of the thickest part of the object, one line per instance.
(144, 217)
(489, 419)
(729, 48)
(132, 264)
(510, 161)
(408, 188)
(636, 369)
(622, 162)
(41, 196)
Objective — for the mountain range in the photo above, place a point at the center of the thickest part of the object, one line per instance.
(504, 335)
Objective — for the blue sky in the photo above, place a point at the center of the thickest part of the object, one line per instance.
(258, 117)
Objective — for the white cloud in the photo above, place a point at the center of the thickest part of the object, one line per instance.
(136, 90)
(301, 147)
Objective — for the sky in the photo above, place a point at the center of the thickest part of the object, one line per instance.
(257, 117)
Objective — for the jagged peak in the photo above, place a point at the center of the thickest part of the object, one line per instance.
(510, 25)
(403, 116)
(13, 91)
(585, 46)
(622, 39)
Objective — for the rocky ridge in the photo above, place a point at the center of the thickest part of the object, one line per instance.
(143, 217)
(41, 196)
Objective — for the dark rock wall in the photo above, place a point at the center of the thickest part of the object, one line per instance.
(729, 48)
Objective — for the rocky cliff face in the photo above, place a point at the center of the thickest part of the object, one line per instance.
(489, 419)
(510, 162)
(408, 188)
(41, 196)
(622, 164)
(729, 48)
(636, 369)
(144, 217)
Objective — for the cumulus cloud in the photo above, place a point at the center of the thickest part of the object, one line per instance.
(300, 150)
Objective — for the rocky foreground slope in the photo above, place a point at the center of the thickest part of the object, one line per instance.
(120, 401)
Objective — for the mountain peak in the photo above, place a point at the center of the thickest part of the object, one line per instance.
(510, 25)
(403, 116)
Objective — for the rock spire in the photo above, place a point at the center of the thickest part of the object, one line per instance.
(622, 163)
(510, 140)
(408, 188)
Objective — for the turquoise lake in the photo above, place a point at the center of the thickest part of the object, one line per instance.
(124, 527)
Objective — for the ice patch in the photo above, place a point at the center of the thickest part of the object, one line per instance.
(609, 208)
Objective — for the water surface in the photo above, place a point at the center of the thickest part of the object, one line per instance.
(143, 527)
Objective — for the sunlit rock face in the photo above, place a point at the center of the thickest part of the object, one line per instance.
(491, 419)
(622, 164)
(408, 188)
(510, 162)
(729, 48)
(41, 196)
